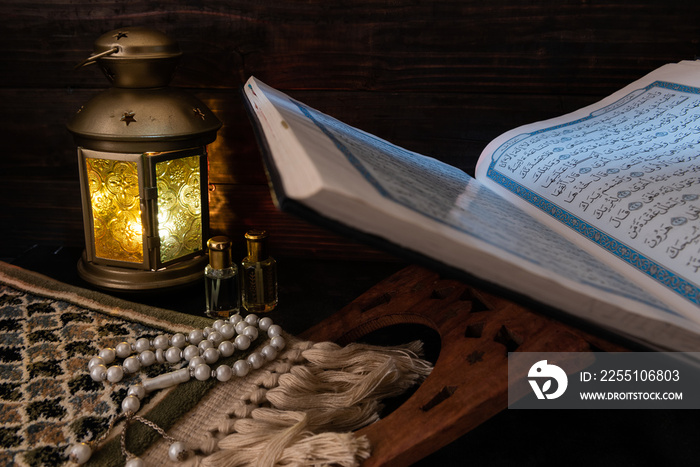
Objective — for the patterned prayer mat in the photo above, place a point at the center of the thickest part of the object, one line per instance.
(48, 333)
(302, 408)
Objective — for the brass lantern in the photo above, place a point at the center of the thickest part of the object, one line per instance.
(143, 167)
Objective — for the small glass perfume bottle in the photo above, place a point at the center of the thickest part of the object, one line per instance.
(259, 271)
(221, 280)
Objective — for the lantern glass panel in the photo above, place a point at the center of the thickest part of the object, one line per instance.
(179, 207)
(116, 209)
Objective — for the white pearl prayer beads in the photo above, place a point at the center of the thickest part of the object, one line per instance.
(211, 343)
(200, 348)
(80, 453)
(177, 451)
(135, 462)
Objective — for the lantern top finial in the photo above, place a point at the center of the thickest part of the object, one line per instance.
(140, 113)
(136, 57)
(137, 43)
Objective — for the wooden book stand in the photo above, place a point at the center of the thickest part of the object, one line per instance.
(468, 334)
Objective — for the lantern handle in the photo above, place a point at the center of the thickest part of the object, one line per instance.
(92, 59)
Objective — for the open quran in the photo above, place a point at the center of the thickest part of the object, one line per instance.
(595, 213)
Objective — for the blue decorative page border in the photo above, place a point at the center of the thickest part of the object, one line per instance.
(652, 269)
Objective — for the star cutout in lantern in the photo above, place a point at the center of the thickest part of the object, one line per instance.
(121, 35)
(128, 117)
(198, 113)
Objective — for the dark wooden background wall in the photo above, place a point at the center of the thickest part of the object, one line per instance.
(441, 77)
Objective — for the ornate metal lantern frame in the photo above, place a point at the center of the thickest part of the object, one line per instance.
(143, 168)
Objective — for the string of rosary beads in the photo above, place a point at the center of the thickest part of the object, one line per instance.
(200, 348)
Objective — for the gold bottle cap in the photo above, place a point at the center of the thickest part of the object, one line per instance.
(257, 245)
(219, 252)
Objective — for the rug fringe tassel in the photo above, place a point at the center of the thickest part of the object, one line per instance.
(310, 414)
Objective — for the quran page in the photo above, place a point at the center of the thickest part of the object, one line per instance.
(423, 205)
(622, 176)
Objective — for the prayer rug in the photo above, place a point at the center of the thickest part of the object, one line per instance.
(302, 408)
(48, 333)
